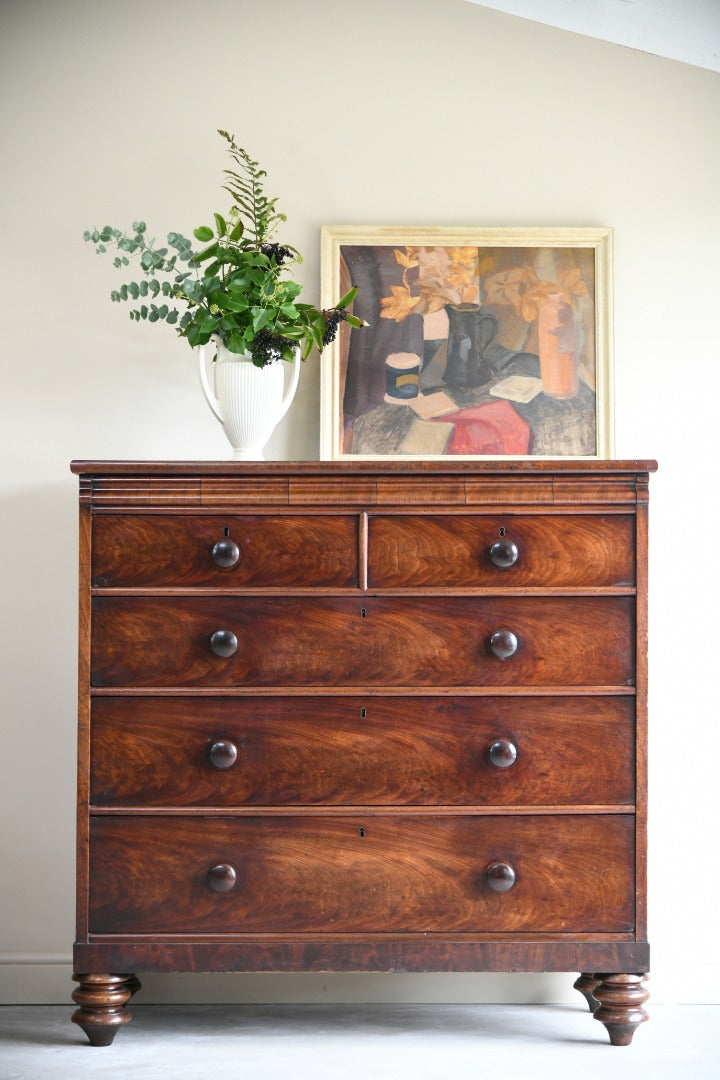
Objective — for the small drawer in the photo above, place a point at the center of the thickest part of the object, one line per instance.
(349, 874)
(373, 641)
(135, 550)
(524, 550)
(384, 751)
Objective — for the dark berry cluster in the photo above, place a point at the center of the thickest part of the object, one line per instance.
(277, 252)
(268, 347)
(333, 318)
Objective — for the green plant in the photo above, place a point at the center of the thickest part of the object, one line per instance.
(235, 288)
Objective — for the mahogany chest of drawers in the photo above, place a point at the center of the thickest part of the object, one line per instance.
(362, 717)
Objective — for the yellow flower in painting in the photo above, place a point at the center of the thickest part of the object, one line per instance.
(464, 255)
(447, 276)
(399, 305)
(522, 288)
(459, 275)
(510, 287)
(406, 258)
(573, 282)
(531, 301)
(433, 296)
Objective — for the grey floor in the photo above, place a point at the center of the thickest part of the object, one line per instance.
(372, 1042)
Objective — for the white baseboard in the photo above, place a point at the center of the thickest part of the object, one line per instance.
(46, 979)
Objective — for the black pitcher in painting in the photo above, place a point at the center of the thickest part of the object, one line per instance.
(470, 331)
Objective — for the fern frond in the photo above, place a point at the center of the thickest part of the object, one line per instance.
(247, 190)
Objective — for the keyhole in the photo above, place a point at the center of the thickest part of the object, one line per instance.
(226, 530)
(361, 830)
(363, 713)
(363, 612)
(501, 530)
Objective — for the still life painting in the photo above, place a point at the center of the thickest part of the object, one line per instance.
(479, 343)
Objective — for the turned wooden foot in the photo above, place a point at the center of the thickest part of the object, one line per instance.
(102, 1000)
(586, 984)
(621, 1010)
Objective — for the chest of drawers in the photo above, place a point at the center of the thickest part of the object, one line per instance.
(366, 717)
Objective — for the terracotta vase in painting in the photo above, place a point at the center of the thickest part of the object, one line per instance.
(557, 348)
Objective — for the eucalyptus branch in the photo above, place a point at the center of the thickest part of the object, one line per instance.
(235, 287)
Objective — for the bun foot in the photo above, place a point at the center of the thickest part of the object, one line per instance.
(102, 1000)
(621, 1010)
(585, 984)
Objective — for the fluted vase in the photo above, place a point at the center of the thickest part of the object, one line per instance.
(248, 401)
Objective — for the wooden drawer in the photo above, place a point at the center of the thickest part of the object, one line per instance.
(361, 751)
(446, 551)
(370, 874)
(142, 550)
(165, 641)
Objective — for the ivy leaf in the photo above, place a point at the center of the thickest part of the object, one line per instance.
(206, 253)
(236, 343)
(220, 225)
(203, 233)
(260, 318)
(237, 232)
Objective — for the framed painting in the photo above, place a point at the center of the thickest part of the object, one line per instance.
(480, 343)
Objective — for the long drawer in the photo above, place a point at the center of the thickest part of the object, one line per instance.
(436, 550)
(419, 641)
(263, 751)
(371, 874)
(136, 550)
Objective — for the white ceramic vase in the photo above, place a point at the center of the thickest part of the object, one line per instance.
(248, 401)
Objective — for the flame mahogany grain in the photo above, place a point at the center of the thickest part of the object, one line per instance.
(149, 751)
(400, 641)
(552, 550)
(137, 550)
(353, 810)
(320, 875)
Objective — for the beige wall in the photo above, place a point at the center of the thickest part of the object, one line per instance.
(386, 111)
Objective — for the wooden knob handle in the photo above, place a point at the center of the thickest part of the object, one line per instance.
(500, 876)
(503, 553)
(502, 753)
(221, 878)
(223, 643)
(222, 753)
(225, 553)
(503, 644)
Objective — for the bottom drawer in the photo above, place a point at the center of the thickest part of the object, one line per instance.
(361, 874)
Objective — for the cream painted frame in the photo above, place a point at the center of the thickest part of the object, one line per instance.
(333, 237)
